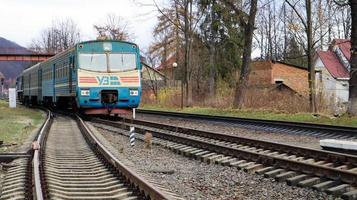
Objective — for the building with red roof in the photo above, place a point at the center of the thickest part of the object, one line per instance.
(332, 73)
(167, 67)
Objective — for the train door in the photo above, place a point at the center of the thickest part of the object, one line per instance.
(39, 85)
(54, 83)
(29, 85)
(70, 74)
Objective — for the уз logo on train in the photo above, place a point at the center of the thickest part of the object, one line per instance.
(108, 80)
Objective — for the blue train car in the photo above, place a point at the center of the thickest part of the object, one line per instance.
(96, 77)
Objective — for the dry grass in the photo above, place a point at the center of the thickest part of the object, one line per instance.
(259, 103)
(255, 98)
(266, 98)
(16, 124)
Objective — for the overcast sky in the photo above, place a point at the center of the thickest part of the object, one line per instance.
(23, 20)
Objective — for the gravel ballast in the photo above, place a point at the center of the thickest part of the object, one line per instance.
(2, 176)
(193, 179)
(232, 129)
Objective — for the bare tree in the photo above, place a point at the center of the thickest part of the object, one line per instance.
(352, 107)
(115, 28)
(209, 29)
(248, 26)
(59, 36)
(185, 18)
(307, 24)
(166, 37)
(150, 60)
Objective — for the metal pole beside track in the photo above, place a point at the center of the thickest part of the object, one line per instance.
(132, 130)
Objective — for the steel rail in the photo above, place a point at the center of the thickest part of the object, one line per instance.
(36, 161)
(145, 187)
(308, 168)
(285, 148)
(32, 169)
(342, 130)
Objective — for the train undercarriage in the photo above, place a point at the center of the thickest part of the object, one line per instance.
(108, 100)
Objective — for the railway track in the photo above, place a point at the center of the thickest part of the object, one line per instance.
(334, 173)
(8, 157)
(72, 164)
(317, 130)
(73, 170)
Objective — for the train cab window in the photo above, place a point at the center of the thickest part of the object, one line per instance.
(122, 62)
(93, 62)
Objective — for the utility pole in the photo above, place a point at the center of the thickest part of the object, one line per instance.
(311, 69)
(174, 65)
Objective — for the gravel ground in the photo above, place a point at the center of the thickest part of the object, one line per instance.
(221, 127)
(2, 176)
(193, 179)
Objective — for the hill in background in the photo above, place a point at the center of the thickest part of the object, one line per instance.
(11, 69)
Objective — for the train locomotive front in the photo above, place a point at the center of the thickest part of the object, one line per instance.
(108, 77)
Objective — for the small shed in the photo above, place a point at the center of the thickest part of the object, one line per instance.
(275, 73)
(151, 79)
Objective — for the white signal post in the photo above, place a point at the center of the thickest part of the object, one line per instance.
(12, 97)
(132, 131)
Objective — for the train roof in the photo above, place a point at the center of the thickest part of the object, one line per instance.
(65, 51)
(85, 42)
(32, 67)
(122, 41)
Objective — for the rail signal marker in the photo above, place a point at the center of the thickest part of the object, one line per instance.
(132, 136)
(132, 131)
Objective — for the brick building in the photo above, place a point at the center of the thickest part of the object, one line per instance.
(278, 75)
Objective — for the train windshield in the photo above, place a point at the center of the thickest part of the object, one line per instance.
(93, 62)
(98, 62)
(122, 62)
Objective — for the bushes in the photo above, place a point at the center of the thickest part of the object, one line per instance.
(167, 97)
(264, 98)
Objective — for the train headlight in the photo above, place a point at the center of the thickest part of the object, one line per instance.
(85, 92)
(107, 46)
(134, 92)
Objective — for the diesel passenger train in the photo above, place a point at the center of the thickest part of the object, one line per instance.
(94, 77)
